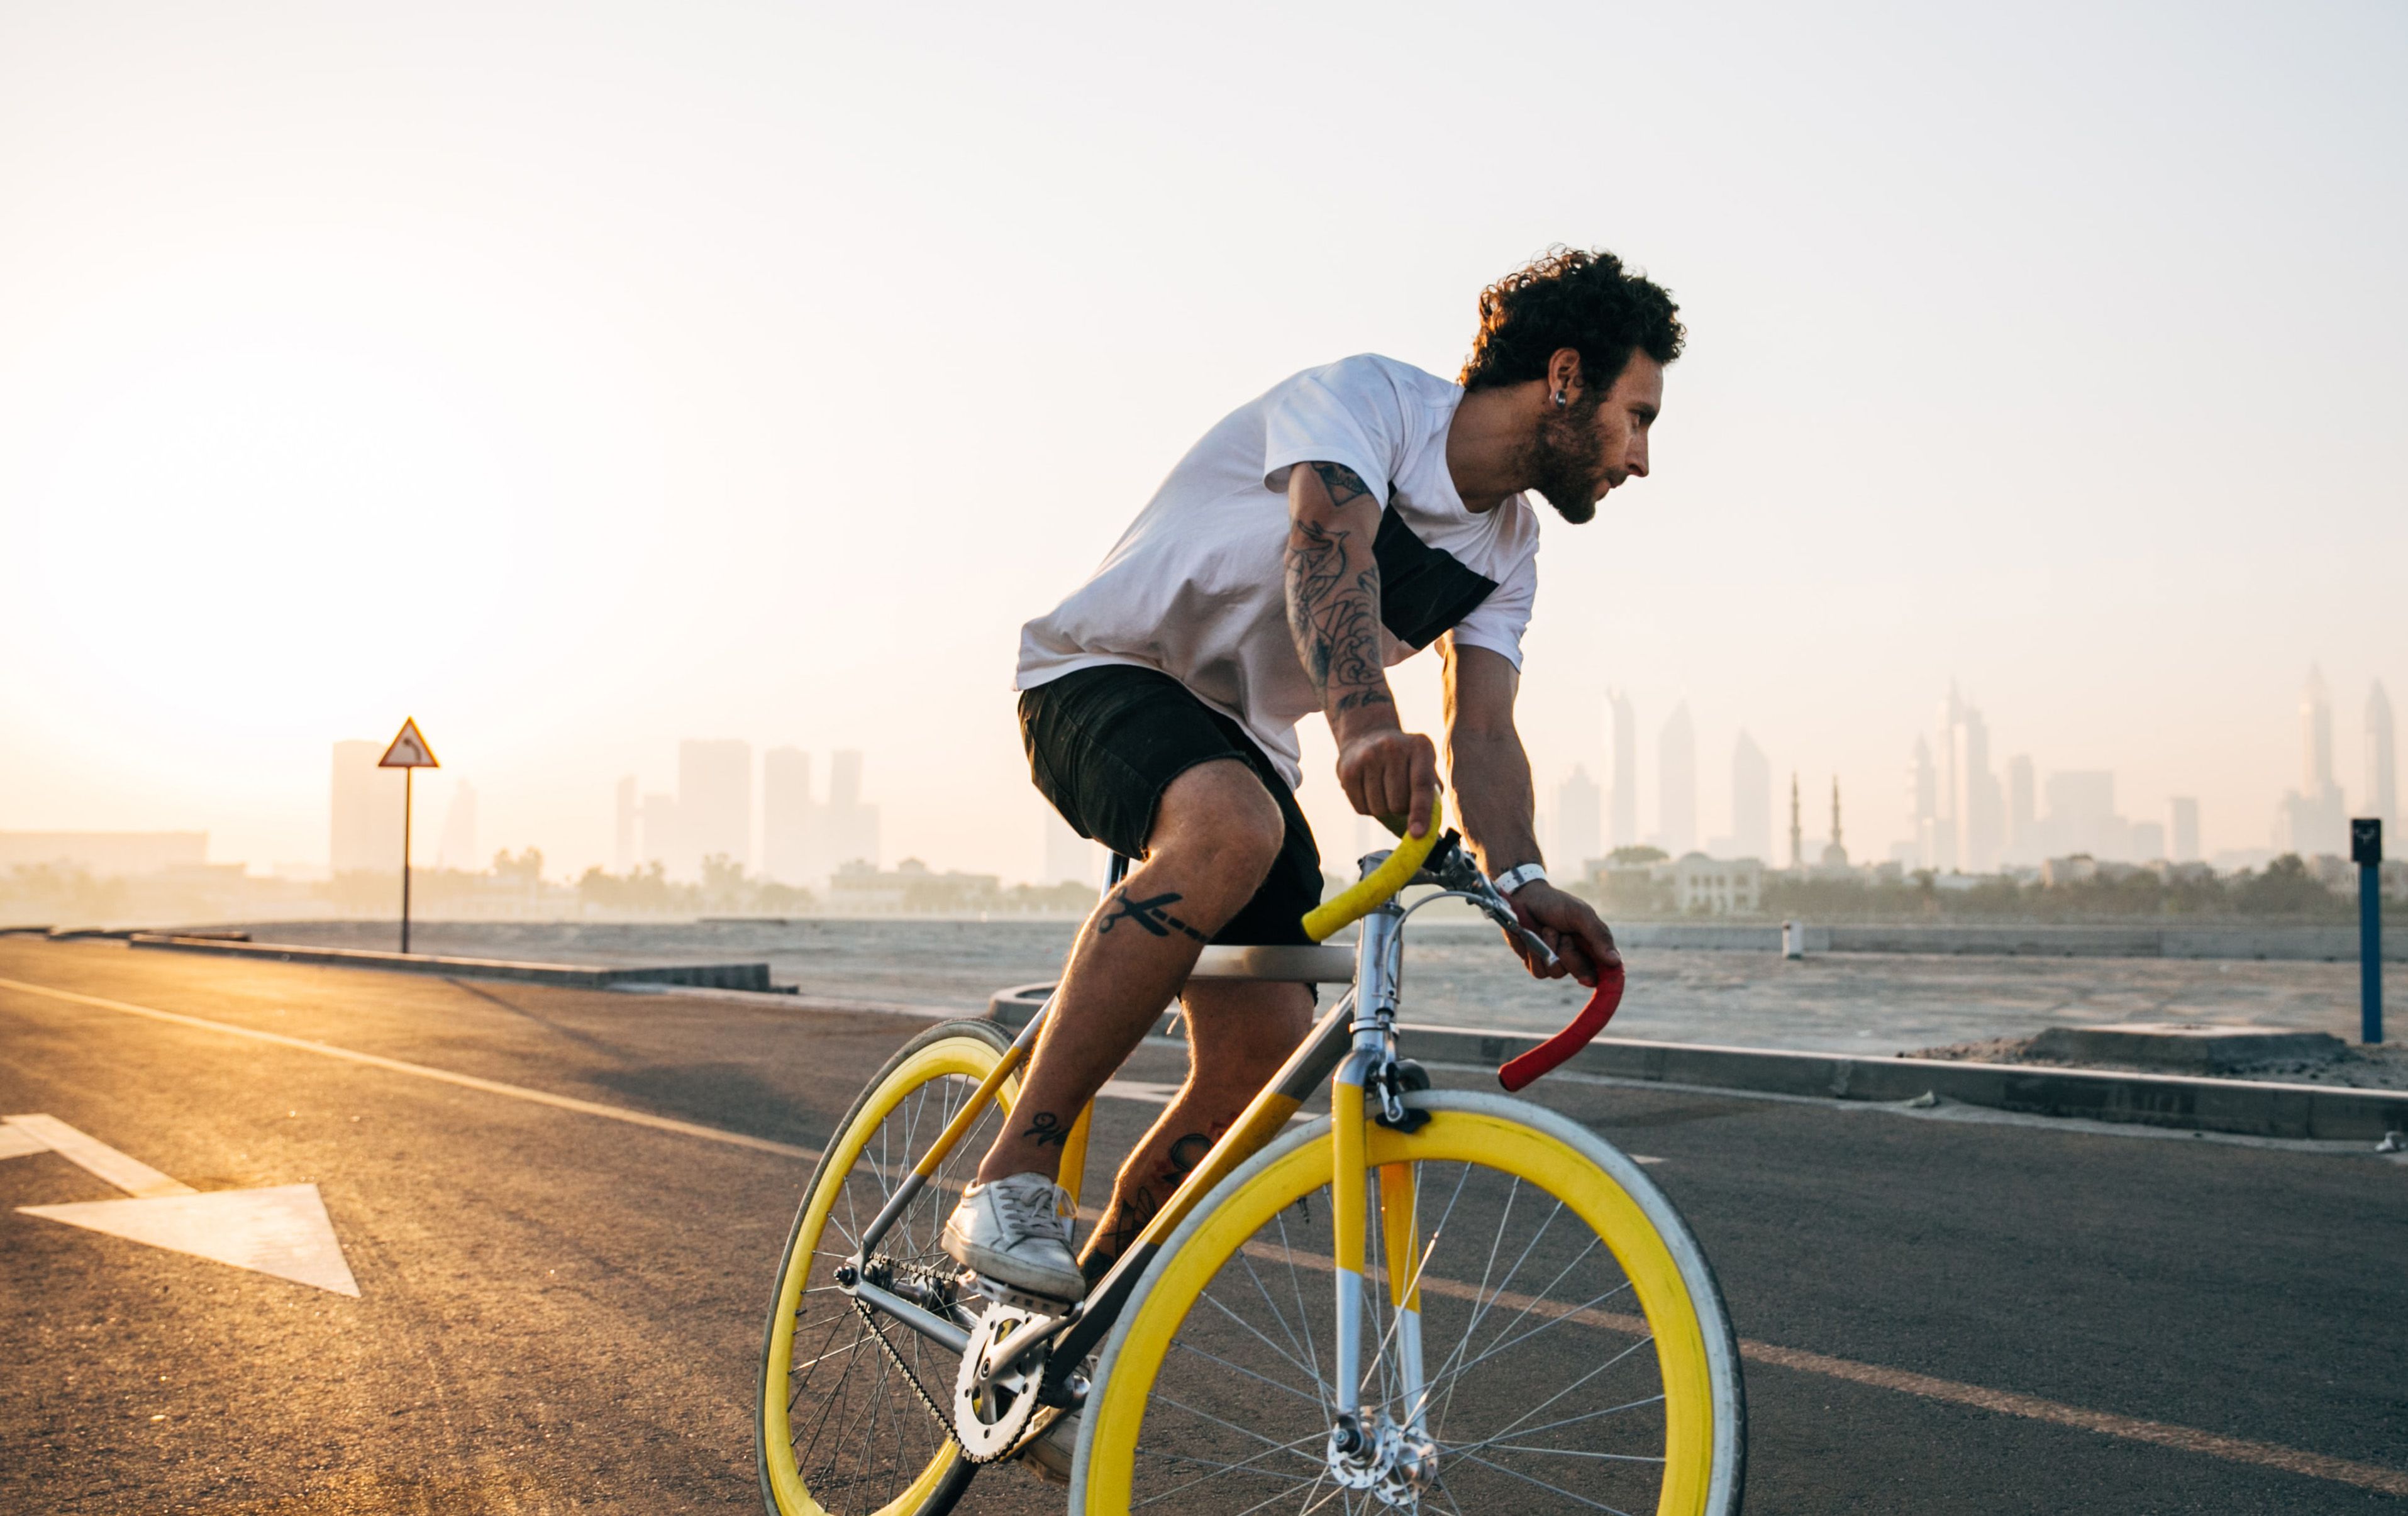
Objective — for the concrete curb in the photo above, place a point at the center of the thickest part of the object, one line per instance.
(754, 976)
(2243, 1108)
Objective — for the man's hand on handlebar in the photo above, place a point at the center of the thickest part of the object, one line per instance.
(1387, 771)
(1564, 923)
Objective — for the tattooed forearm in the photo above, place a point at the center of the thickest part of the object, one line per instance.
(1148, 913)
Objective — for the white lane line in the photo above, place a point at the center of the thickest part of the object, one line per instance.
(16, 1144)
(444, 1075)
(95, 1157)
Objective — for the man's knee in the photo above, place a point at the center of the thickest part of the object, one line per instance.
(1219, 820)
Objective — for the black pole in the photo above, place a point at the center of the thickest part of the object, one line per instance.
(407, 776)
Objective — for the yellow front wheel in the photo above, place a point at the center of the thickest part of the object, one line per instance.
(1573, 1350)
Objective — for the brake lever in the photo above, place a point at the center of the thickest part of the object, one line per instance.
(1460, 872)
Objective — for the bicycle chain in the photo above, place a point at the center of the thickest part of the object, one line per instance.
(1039, 1423)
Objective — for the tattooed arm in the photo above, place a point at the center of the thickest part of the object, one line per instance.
(1333, 609)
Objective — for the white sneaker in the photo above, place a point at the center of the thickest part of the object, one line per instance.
(1054, 1451)
(1013, 1231)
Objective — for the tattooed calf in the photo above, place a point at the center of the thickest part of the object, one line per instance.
(1148, 913)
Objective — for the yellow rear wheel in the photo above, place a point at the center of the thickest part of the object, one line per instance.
(1575, 1352)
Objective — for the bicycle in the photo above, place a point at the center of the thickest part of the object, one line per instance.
(1335, 1312)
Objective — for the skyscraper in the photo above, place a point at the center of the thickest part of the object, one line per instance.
(786, 815)
(622, 851)
(2381, 798)
(1923, 805)
(1579, 827)
(1796, 828)
(848, 828)
(1751, 800)
(1944, 830)
(1676, 783)
(2313, 818)
(2023, 841)
(715, 799)
(1973, 798)
(2182, 829)
(663, 840)
(364, 829)
(1622, 825)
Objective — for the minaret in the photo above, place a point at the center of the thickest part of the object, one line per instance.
(1796, 831)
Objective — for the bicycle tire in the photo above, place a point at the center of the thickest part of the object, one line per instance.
(927, 1473)
(1699, 1472)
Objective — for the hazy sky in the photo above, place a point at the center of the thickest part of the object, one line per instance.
(578, 378)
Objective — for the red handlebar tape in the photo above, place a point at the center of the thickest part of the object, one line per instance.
(1573, 1038)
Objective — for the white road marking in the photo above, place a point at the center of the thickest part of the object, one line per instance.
(282, 1230)
(16, 1144)
(466, 1081)
(96, 1157)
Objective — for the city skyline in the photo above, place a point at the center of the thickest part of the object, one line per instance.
(567, 423)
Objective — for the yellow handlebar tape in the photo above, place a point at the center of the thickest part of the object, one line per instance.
(1323, 921)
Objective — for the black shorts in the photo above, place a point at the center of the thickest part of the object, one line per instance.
(1104, 743)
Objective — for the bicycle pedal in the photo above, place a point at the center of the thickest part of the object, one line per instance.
(1015, 1299)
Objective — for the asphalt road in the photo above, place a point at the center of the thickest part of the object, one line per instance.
(560, 1308)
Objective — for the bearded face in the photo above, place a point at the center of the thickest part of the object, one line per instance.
(1566, 459)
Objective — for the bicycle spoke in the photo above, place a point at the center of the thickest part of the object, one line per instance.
(1557, 1488)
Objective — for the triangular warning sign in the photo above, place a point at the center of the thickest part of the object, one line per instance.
(283, 1230)
(408, 750)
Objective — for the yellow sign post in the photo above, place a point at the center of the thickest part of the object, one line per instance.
(409, 753)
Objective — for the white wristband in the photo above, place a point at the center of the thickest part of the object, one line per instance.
(1514, 878)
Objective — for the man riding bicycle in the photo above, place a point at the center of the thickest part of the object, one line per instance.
(1339, 524)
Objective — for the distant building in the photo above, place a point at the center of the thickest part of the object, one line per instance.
(2182, 829)
(1715, 886)
(787, 816)
(1750, 799)
(2381, 796)
(1579, 829)
(848, 829)
(2081, 814)
(1676, 783)
(2148, 842)
(364, 813)
(1975, 807)
(622, 846)
(1922, 806)
(2023, 841)
(1945, 756)
(1622, 820)
(458, 847)
(119, 854)
(1796, 828)
(715, 799)
(2313, 818)
(1835, 853)
(664, 839)
(912, 886)
(2078, 868)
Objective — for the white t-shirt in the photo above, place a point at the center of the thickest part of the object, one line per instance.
(1196, 588)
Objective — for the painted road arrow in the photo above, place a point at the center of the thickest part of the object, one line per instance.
(281, 1229)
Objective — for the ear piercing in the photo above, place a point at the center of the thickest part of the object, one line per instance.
(1559, 399)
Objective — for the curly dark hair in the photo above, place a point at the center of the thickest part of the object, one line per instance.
(1569, 298)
